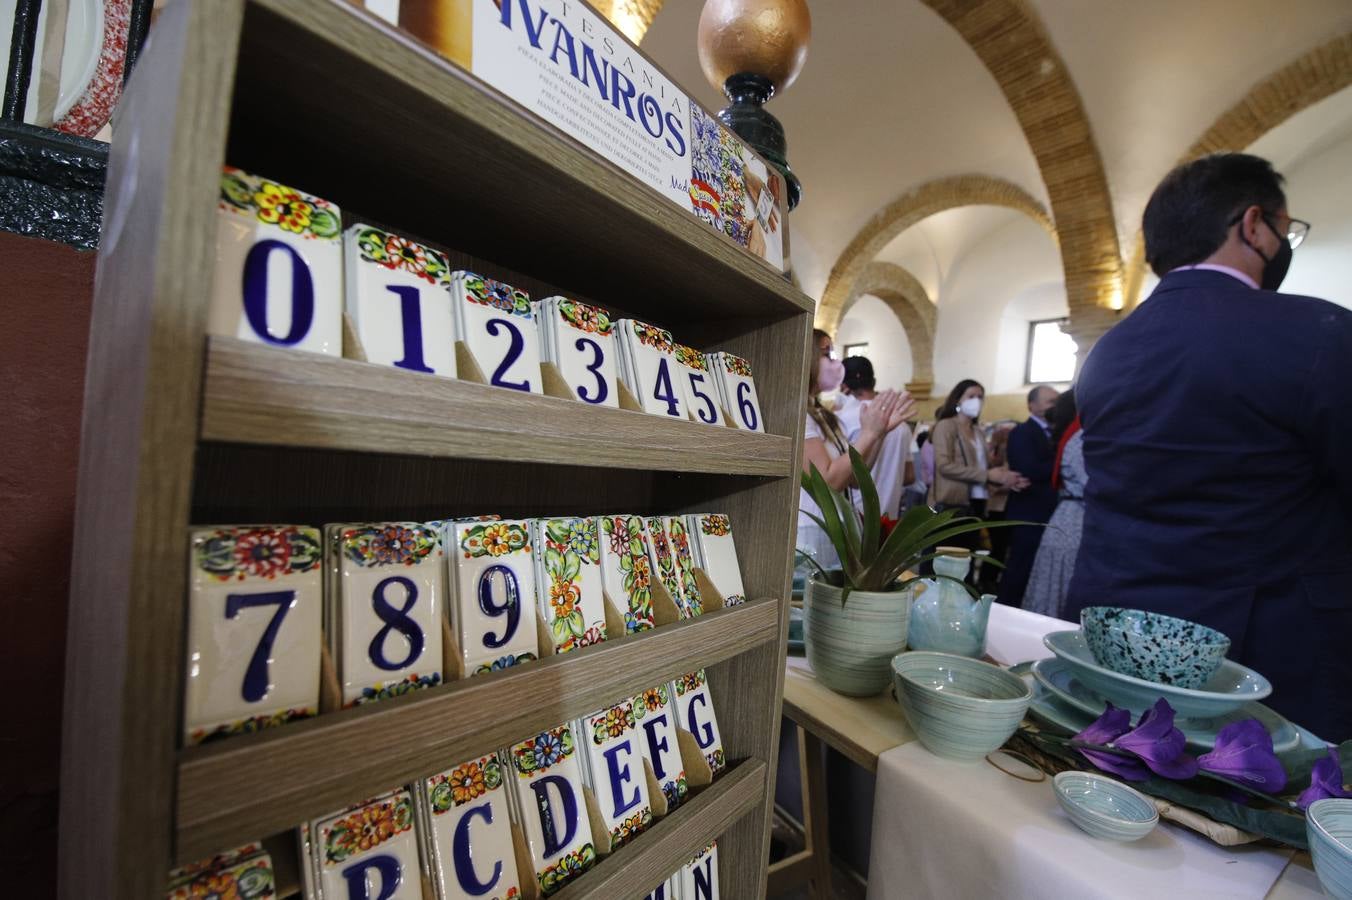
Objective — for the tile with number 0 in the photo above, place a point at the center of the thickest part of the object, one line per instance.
(368, 851)
(388, 582)
(398, 295)
(657, 385)
(493, 594)
(466, 819)
(655, 716)
(570, 590)
(497, 324)
(580, 340)
(698, 879)
(255, 608)
(697, 382)
(612, 758)
(546, 779)
(740, 389)
(716, 553)
(695, 713)
(279, 266)
(627, 571)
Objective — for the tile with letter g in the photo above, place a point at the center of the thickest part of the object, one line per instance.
(695, 713)
(698, 879)
(655, 719)
(493, 594)
(390, 584)
(279, 266)
(547, 790)
(499, 327)
(586, 350)
(614, 748)
(468, 811)
(368, 852)
(398, 295)
(254, 629)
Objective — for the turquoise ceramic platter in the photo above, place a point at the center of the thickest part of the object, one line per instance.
(1153, 646)
(1104, 807)
(960, 708)
(1328, 828)
(1231, 687)
(1058, 678)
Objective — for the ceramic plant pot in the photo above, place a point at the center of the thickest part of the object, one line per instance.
(850, 647)
(944, 617)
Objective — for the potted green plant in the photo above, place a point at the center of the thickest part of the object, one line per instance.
(856, 617)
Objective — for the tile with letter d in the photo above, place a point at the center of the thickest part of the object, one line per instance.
(255, 608)
(655, 717)
(698, 879)
(467, 811)
(717, 554)
(701, 394)
(497, 324)
(367, 852)
(245, 873)
(613, 754)
(695, 713)
(666, 568)
(398, 295)
(279, 266)
(547, 790)
(627, 571)
(568, 576)
(493, 594)
(584, 348)
(390, 583)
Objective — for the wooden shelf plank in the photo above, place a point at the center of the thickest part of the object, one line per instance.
(238, 789)
(266, 395)
(640, 866)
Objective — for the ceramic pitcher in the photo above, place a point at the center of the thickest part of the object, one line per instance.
(944, 616)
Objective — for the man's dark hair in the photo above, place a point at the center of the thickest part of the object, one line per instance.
(1193, 208)
(859, 373)
(1032, 395)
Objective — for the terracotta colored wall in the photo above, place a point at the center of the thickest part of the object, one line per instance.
(45, 294)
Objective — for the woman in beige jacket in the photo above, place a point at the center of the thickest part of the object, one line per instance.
(962, 476)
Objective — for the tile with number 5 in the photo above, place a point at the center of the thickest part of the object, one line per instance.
(498, 326)
(493, 594)
(279, 266)
(701, 394)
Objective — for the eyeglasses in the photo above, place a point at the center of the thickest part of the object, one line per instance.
(1296, 232)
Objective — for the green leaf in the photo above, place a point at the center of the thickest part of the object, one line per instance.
(559, 628)
(554, 562)
(571, 566)
(832, 525)
(870, 543)
(576, 625)
(557, 531)
(907, 541)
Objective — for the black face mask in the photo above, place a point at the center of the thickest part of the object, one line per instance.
(1274, 269)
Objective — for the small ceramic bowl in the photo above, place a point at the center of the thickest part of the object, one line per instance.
(960, 708)
(1152, 646)
(1328, 828)
(1105, 808)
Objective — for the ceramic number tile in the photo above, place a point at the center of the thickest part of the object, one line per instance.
(369, 852)
(613, 746)
(655, 371)
(698, 879)
(255, 606)
(547, 789)
(718, 554)
(389, 608)
(568, 573)
(244, 872)
(498, 325)
(744, 404)
(701, 395)
(655, 718)
(683, 555)
(664, 891)
(627, 571)
(467, 811)
(279, 266)
(585, 351)
(695, 713)
(398, 295)
(665, 566)
(493, 593)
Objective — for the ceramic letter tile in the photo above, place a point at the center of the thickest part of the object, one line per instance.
(369, 851)
(664, 891)
(698, 879)
(389, 608)
(614, 752)
(279, 266)
(627, 570)
(718, 554)
(470, 832)
(583, 338)
(695, 713)
(498, 326)
(743, 403)
(493, 594)
(683, 556)
(657, 377)
(568, 573)
(655, 717)
(665, 567)
(399, 298)
(701, 394)
(547, 789)
(255, 608)
(245, 873)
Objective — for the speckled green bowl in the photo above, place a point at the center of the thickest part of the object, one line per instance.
(1153, 646)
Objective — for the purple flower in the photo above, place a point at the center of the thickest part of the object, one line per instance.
(1159, 744)
(1244, 753)
(1104, 730)
(1326, 780)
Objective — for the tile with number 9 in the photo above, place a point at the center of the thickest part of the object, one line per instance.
(493, 594)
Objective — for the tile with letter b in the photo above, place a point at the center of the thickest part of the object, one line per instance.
(493, 594)
(467, 816)
(695, 713)
(546, 779)
(279, 266)
(717, 554)
(388, 580)
(366, 852)
(255, 608)
(613, 758)
(582, 344)
(571, 597)
(497, 324)
(655, 718)
(697, 382)
(698, 879)
(627, 570)
(398, 295)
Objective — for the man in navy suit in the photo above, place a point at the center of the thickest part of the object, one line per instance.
(1218, 443)
(1032, 454)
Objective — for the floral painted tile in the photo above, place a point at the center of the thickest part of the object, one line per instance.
(279, 266)
(547, 791)
(697, 382)
(655, 717)
(695, 713)
(657, 385)
(255, 607)
(568, 575)
(716, 553)
(388, 589)
(398, 295)
(467, 809)
(740, 390)
(627, 570)
(244, 873)
(698, 879)
(369, 851)
(580, 340)
(665, 565)
(492, 594)
(498, 325)
(613, 759)
(682, 552)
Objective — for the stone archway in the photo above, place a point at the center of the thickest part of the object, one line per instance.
(910, 303)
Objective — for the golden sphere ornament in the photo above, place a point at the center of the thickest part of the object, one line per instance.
(768, 38)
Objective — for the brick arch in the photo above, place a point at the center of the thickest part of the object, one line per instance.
(907, 210)
(910, 303)
(1318, 74)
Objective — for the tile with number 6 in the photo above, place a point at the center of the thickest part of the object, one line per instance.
(493, 594)
(743, 402)
(498, 326)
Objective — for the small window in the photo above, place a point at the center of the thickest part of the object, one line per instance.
(1051, 353)
(856, 350)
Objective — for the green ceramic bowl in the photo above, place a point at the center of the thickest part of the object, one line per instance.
(1105, 808)
(960, 708)
(1155, 647)
(1328, 828)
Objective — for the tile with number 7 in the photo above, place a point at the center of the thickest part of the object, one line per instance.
(493, 594)
(254, 633)
(498, 326)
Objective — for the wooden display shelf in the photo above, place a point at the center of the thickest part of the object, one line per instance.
(265, 395)
(314, 767)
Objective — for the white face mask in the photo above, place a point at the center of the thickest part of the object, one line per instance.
(971, 407)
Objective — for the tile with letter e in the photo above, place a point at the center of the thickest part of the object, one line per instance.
(497, 323)
(655, 718)
(613, 758)
(279, 266)
(390, 582)
(698, 879)
(398, 296)
(627, 570)
(571, 596)
(701, 392)
(255, 610)
(716, 553)
(493, 594)
(466, 818)
(546, 779)
(695, 713)
(581, 340)
(366, 852)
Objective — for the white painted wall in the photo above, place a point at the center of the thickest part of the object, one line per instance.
(1319, 190)
(872, 321)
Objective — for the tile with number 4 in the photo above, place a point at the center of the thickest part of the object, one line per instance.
(655, 373)
(497, 324)
(493, 594)
(365, 852)
(468, 820)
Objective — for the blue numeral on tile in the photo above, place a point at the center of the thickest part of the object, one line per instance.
(595, 368)
(256, 292)
(395, 620)
(708, 415)
(256, 675)
(510, 606)
(747, 408)
(518, 343)
(664, 384)
(410, 312)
